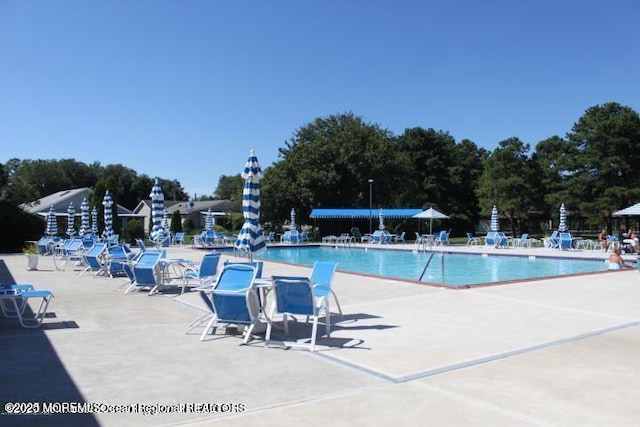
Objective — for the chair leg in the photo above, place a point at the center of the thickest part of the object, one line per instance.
(337, 302)
(314, 333)
(328, 323)
(211, 326)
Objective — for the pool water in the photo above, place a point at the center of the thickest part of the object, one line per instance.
(451, 269)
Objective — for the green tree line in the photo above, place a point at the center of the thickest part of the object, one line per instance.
(328, 162)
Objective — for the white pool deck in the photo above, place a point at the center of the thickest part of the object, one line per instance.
(553, 352)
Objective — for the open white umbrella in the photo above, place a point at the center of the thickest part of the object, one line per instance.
(251, 237)
(431, 214)
(633, 210)
(71, 216)
(107, 202)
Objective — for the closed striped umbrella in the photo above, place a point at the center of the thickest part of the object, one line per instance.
(157, 210)
(562, 227)
(52, 223)
(251, 237)
(107, 202)
(94, 221)
(71, 216)
(208, 221)
(293, 219)
(495, 224)
(85, 228)
(165, 219)
(381, 219)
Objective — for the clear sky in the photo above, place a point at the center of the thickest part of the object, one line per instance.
(183, 89)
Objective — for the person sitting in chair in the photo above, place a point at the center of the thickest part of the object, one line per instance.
(602, 238)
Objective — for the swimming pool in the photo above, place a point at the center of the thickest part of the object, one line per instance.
(459, 269)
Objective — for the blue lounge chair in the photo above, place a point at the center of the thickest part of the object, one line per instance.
(203, 274)
(145, 272)
(552, 241)
(442, 238)
(234, 300)
(296, 296)
(178, 238)
(71, 252)
(565, 241)
(14, 298)
(322, 278)
(271, 238)
(472, 240)
(95, 259)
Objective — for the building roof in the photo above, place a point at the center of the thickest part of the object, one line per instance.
(61, 200)
(362, 213)
(187, 207)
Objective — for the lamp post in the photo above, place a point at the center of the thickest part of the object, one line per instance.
(370, 203)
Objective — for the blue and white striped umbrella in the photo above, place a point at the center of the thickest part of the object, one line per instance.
(381, 219)
(52, 223)
(94, 221)
(293, 219)
(71, 217)
(251, 237)
(208, 220)
(562, 227)
(165, 219)
(157, 210)
(495, 223)
(107, 202)
(84, 219)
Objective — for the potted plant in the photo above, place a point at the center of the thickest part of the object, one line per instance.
(31, 252)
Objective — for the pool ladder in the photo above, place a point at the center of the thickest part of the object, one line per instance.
(424, 270)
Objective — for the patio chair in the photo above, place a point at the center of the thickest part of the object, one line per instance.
(204, 274)
(14, 298)
(472, 240)
(304, 236)
(145, 272)
(296, 296)
(178, 238)
(256, 264)
(70, 252)
(501, 239)
(95, 259)
(565, 241)
(234, 300)
(400, 238)
(322, 278)
(552, 241)
(271, 237)
(442, 238)
(117, 256)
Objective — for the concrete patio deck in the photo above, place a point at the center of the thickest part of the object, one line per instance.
(553, 352)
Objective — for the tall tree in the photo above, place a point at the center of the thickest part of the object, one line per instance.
(607, 144)
(505, 181)
(328, 163)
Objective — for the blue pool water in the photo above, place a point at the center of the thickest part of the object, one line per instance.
(459, 269)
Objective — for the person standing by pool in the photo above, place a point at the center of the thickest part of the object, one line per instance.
(616, 262)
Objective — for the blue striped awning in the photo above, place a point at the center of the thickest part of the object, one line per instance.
(362, 213)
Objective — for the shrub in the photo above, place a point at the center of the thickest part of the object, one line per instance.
(18, 226)
(176, 222)
(188, 225)
(133, 231)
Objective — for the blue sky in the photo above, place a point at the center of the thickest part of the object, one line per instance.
(184, 89)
